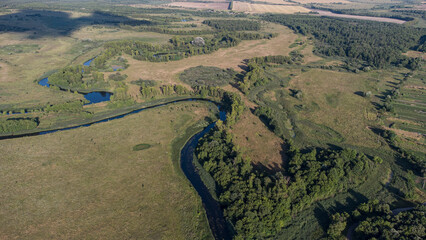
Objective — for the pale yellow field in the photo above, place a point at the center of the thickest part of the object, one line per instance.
(321, 1)
(167, 72)
(283, 2)
(199, 5)
(265, 8)
(19, 70)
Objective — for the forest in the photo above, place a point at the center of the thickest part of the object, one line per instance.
(364, 42)
(233, 25)
(375, 220)
(259, 205)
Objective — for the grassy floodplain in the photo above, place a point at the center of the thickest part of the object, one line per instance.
(122, 178)
(108, 190)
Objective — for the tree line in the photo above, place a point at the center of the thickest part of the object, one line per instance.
(180, 47)
(372, 43)
(233, 25)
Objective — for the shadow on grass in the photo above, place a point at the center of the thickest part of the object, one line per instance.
(39, 23)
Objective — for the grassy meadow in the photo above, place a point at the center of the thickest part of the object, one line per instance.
(108, 190)
(121, 179)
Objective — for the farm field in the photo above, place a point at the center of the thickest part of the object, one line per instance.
(264, 8)
(281, 2)
(199, 5)
(108, 190)
(321, 1)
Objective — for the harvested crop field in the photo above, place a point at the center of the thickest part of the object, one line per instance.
(265, 8)
(200, 5)
(321, 1)
(282, 2)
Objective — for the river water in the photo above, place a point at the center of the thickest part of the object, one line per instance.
(213, 210)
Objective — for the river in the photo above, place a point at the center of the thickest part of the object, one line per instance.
(213, 210)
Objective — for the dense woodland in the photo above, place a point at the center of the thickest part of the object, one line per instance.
(233, 25)
(375, 220)
(371, 43)
(259, 205)
(77, 77)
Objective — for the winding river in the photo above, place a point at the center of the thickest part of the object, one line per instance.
(213, 210)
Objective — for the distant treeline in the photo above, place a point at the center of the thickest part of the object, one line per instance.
(233, 25)
(372, 43)
(359, 12)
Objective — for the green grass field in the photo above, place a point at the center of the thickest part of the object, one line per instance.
(108, 190)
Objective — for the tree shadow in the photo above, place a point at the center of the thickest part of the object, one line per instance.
(359, 93)
(42, 23)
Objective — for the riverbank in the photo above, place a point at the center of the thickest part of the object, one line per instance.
(102, 117)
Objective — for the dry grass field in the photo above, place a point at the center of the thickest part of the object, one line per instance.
(200, 5)
(167, 72)
(88, 183)
(19, 70)
(265, 8)
(258, 143)
(329, 99)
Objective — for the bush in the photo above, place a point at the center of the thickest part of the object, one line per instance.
(17, 124)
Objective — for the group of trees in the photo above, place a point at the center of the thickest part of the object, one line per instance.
(259, 205)
(373, 43)
(17, 124)
(417, 163)
(295, 57)
(255, 74)
(179, 48)
(376, 221)
(76, 77)
(149, 90)
(233, 25)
